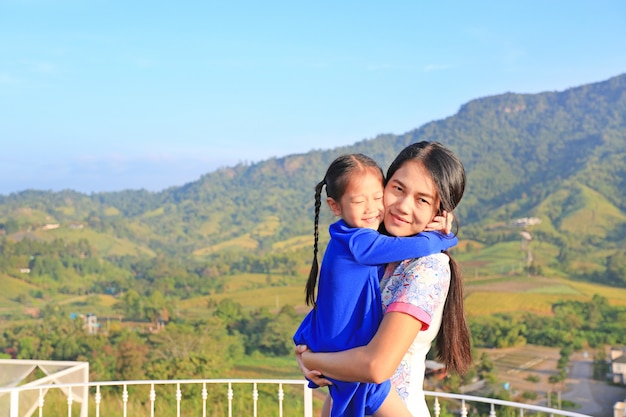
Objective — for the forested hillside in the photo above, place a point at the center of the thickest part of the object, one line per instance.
(556, 156)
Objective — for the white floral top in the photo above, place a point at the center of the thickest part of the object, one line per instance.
(418, 287)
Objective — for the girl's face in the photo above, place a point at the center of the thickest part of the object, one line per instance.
(362, 202)
(410, 199)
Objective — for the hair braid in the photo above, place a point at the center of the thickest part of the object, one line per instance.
(312, 281)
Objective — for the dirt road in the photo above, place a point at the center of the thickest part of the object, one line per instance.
(595, 397)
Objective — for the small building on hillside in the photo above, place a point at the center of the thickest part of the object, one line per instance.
(526, 221)
(617, 365)
(90, 322)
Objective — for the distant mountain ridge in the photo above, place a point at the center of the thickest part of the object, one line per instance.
(557, 156)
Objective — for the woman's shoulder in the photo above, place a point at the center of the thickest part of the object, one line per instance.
(434, 261)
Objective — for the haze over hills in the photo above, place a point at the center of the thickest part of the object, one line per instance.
(559, 157)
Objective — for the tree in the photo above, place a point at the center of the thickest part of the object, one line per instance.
(202, 350)
(131, 305)
(131, 356)
(154, 308)
(10, 226)
(229, 312)
(277, 335)
(616, 269)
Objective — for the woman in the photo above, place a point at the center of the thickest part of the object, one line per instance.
(423, 297)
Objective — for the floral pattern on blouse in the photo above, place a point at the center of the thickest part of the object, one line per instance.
(417, 282)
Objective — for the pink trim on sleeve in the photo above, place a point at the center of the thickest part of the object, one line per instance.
(411, 310)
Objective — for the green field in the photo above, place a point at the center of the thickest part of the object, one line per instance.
(495, 282)
(484, 295)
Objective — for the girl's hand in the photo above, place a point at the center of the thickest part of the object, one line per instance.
(441, 223)
(314, 376)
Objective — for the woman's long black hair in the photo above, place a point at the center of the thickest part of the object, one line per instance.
(453, 340)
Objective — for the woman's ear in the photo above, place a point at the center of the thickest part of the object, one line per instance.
(334, 206)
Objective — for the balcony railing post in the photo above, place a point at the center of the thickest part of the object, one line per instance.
(255, 399)
(97, 399)
(15, 401)
(152, 399)
(230, 399)
(125, 400)
(70, 400)
(281, 397)
(308, 401)
(179, 397)
(41, 402)
(205, 396)
(84, 406)
(437, 407)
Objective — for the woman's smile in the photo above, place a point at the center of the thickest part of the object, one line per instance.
(398, 219)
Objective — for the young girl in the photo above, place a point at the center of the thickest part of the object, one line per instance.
(348, 308)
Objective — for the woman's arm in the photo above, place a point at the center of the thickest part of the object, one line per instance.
(375, 362)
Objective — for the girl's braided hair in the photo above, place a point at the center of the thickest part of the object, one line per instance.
(336, 180)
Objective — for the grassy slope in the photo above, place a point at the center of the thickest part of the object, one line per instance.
(494, 279)
(105, 245)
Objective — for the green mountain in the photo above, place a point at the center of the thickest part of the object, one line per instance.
(559, 157)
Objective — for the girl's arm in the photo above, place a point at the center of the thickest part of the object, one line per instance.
(375, 362)
(372, 248)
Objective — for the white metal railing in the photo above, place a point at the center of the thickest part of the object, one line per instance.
(26, 401)
(17, 407)
(493, 402)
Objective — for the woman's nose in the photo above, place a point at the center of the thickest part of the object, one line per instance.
(402, 204)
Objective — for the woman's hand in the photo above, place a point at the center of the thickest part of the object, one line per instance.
(441, 223)
(314, 376)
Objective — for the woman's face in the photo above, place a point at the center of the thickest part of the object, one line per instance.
(410, 199)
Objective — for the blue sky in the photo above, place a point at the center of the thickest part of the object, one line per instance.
(112, 95)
